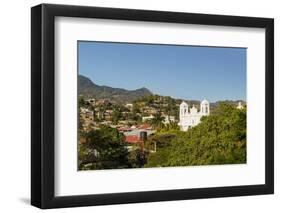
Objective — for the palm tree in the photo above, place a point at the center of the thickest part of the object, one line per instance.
(157, 121)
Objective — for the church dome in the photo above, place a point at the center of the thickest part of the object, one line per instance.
(205, 102)
(193, 110)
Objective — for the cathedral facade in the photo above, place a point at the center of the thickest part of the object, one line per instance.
(191, 117)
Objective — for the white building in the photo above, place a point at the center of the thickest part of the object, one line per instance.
(240, 106)
(91, 101)
(168, 119)
(147, 118)
(191, 117)
(129, 105)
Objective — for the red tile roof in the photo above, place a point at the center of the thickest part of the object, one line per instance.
(145, 126)
(132, 138)
(124, 129)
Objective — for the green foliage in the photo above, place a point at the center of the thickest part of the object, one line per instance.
(103, 149)
(171, 107)
(137, 158)
(149, 99)
(219, 139)
(157, 121)
(163, 143)
(82, 102)
(116, 115)
(172, 126)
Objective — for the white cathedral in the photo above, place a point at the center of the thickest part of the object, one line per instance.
(191, 118)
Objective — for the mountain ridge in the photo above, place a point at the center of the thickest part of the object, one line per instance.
(89, 89)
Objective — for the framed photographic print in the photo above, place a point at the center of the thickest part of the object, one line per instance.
(139, 106)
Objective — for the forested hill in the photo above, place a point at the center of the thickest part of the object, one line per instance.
(90, 90)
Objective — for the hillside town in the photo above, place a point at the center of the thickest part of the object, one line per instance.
(129, 118)
(143, 132)
(145, 115)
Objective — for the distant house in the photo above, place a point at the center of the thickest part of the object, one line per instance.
(106, 122)
(151, 111)
(102, 101)
(146, 118)
(133, 127)
(91, 101)
(129, 105)
(124, 129)
(145, 127)
(109, 111)
(240, 106)
(168, 119)
(137, 132)
(87, 114)
(132, 138)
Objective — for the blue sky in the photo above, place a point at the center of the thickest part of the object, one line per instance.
(186, 72)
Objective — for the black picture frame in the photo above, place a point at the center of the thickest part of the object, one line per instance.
(43, 110)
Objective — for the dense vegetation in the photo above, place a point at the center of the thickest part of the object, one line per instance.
(219, 139)
(102, 149)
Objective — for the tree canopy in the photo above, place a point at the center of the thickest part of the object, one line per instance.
(219, 139)
(103, 148)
